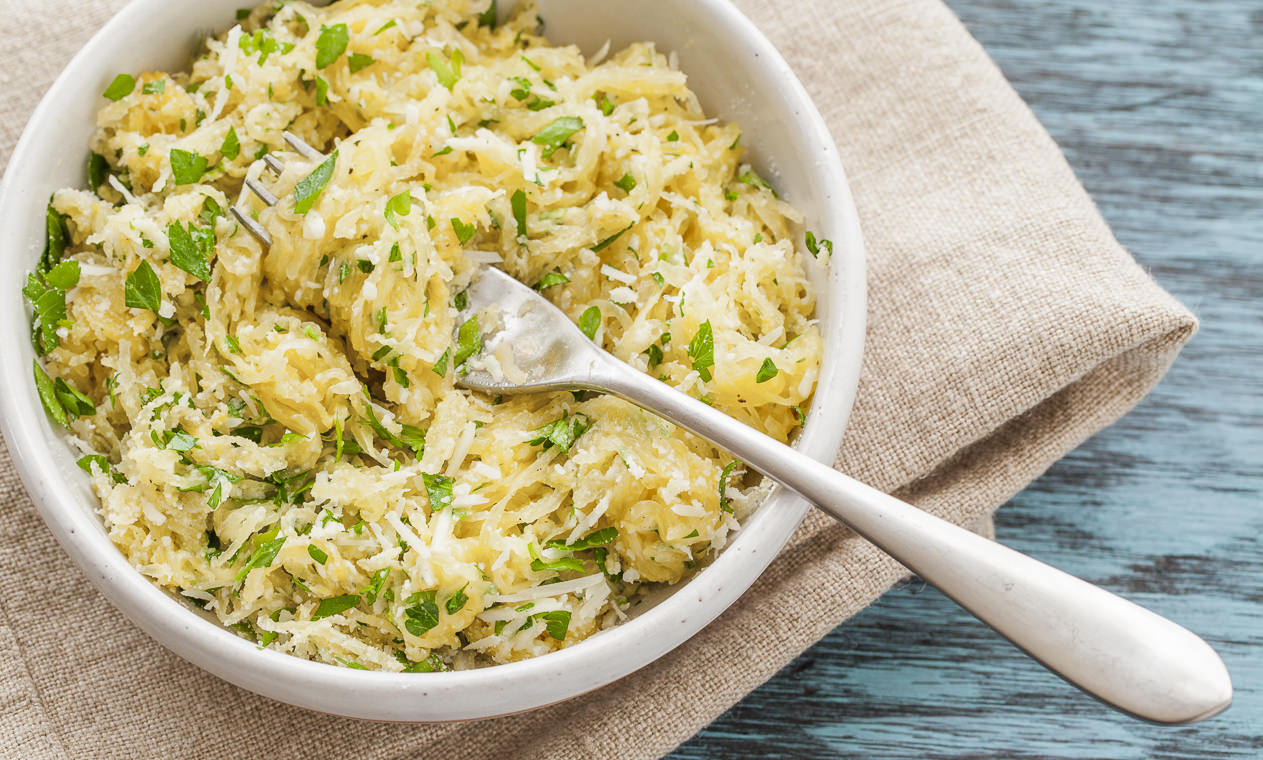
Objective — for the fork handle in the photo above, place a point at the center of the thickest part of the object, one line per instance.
(1121, 653)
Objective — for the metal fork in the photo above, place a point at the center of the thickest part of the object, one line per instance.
(261, 192)
(1113, 649)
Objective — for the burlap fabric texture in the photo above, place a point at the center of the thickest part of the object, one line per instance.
(1006, 325)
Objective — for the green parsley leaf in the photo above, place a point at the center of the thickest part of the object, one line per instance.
(64, 276)
(55, 238)
(397, 206)
(551, 279)
(374, 586)
(264, 553)
(440, 366)
(231, 147)
(655, 355)
(319, 555)
(178, 440)
(562, 432)
(121, 87)
(388, 25)
(359, 61)
(322, 92)
(557, 133)
(814, 246)
(468, 341)
(330, 44)
(48, 396)
(766, 372)
(187, 167)
(447, 71)
(421, 611)
(607, 241)
(309, 188)
(456, 602)
(603, 102)
(754, 180)
(723, 484)
(464, 232)
(75, 403)
(156, 87)
(565, 563)
(488, 17)
(335, 605)
(186, 254)
(592, 540)
(518, 202)
(439, 489)
(673, 137)
(590, 321)
(98, 170)
(556, 622)
(626, 183)
(142, 289)
(702, 350)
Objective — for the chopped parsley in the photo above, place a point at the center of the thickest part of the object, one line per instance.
(557, 566)
(518, 202)
(556, 622)
(464, 232)
(98, 170)
(317, 554)
(468, 341)
(335, 605)
(156, 87)
(187, 167)
(265, 552)
(446, 69)
(48, 396)
(142, 289)
(702, 350)
(186, 254)
(440, 366)
(767, 371)
(231, 147)
(121, 87)
(814, 246)
(331, 44)
(456, 602)
(309, 188)
(557, 133)
(421, 612)
(488, 17)
(626, 183)
(374, 586)
(439, 489)
(388, 25)
(590, 321)
(561, 432)
(752, 179)
(359, 61)
(723, 485)
(399, 205)
(607, 241)
(551, 279)
(594, 539)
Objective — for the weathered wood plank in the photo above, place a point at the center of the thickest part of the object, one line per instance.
(1159, 107)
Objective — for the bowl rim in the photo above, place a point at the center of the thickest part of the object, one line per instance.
(453, 695)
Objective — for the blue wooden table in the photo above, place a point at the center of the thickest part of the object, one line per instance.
(1159, 107)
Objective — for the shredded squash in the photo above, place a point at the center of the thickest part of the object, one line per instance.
(275, 433)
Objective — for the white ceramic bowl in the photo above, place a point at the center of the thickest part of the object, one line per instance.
(739, 77)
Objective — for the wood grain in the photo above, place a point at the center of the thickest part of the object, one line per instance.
(1159, 107)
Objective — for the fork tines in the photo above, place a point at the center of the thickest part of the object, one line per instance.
(267, 196)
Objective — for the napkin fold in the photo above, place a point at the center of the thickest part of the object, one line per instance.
(1006, 325)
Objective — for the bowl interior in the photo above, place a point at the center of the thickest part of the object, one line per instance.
(737, 75)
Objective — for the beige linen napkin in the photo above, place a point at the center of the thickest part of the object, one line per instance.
(1006, 325)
